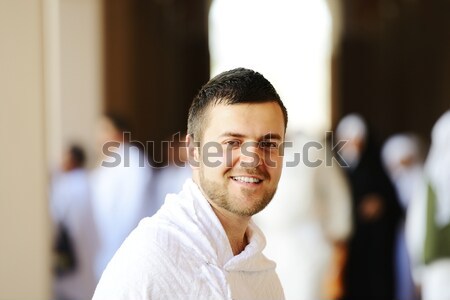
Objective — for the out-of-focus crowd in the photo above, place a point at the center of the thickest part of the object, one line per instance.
(357, 221)
(94, 210)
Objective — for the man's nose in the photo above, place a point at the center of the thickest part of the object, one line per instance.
(250, 156)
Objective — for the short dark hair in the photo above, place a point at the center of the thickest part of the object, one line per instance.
(231, 87)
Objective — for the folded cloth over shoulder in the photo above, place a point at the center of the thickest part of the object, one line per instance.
(183, 252)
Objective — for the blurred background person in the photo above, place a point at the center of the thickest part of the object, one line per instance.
(172, 175)
(120, 188)
(75, 238)
(369, 270)
(428, 222)
(310, 214)
(403, 160)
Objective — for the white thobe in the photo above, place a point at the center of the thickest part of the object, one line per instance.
(183, 252)
(70, 206)
(121, 199)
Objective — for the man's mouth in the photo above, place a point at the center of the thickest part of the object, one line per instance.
(246, 179)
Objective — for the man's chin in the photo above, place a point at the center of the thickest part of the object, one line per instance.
(254, 206)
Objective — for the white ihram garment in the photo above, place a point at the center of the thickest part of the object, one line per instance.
(183, 252)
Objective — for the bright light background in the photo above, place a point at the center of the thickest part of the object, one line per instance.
(289, 42)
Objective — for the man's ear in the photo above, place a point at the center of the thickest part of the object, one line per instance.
(193, 151)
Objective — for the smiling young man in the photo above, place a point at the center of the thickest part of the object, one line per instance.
(202, 244)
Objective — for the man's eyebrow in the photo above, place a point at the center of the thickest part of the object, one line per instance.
(271, 136)
(268, 136)
(232, 134)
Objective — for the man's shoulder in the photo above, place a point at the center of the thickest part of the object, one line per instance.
(155, 244)
(174, 231)
(157, 230)
(147, 264)
(161, 236)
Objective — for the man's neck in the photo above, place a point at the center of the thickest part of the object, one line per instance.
(235, 227)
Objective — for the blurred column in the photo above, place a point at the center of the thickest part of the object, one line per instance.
(74, 78)
(24, 224)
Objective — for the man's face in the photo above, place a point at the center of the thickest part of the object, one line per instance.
(240, 156)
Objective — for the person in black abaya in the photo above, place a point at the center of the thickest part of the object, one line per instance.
(369, 268)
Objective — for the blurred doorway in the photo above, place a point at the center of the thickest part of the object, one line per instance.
(289, 42)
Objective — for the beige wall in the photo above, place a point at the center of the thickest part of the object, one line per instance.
(24, 226)
(50, 93)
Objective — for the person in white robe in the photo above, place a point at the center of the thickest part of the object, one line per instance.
(428, 220)
(70, 207)
(403, 160)
(120, 190)
(202, 243)
(183, 252)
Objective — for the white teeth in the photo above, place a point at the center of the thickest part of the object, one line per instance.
(246, 179)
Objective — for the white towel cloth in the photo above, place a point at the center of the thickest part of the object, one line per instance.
(183, 252)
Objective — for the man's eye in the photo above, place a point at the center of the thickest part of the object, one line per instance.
(268, 145)
(233, 143)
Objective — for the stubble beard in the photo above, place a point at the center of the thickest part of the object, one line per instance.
(219, 194)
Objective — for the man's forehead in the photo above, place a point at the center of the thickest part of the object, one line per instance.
(246, 119)
(270, 109)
